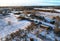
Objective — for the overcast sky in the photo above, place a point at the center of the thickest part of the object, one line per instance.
(29, 2)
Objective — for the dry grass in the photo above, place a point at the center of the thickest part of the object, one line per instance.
(57, 24)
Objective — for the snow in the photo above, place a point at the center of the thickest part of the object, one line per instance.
(58, 10)
(12, 28)
(49, 14)
(6, 29)
(48, 24)
(34, 37)
(15, 25)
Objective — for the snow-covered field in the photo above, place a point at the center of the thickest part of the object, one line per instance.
(48, 14)
(9, 24)
(6, 29)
